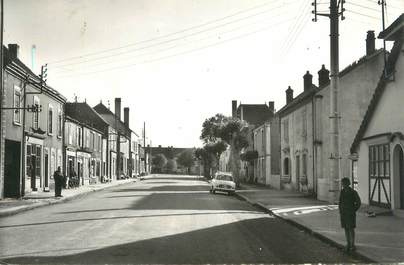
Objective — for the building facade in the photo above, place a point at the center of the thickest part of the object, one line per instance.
(377, 150)
(30, 169)
(85, 133)
(305, 140)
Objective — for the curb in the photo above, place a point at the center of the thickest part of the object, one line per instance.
(64, 199)
(304, 228)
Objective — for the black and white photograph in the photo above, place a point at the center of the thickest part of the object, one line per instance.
(201, 132)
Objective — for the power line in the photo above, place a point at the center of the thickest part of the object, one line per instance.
(175, 45)
(289, 36)
(171, 40)
(182, 53)
(301, 23)
(361, 14)
(166, 35)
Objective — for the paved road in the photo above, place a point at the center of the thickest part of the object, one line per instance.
(164, 219)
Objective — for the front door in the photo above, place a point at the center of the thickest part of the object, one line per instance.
(12, 169)
(401, 172)
(298, 172)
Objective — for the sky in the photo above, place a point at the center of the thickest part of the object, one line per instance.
(175, 63)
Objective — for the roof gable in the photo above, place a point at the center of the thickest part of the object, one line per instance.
(390, 68)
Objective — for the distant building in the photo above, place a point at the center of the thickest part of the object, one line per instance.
(85, 133)
(119, 140)
(378, 147)
(255, 115)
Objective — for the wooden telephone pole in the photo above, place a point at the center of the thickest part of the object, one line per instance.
(336, 10)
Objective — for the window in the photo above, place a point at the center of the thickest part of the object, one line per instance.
(304, 124)
(286, 166)
(379, 174)
(304, 164)
(17, 104)
(286, 130)
(80, 136)
(92, 140)
(50, 120)
(35, 122)
(38, 161)
(60, 123)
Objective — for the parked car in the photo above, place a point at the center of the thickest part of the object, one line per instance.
(223, 181)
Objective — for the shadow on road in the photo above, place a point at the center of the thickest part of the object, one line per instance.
(122, 217)
(174, 187)
(260, 240)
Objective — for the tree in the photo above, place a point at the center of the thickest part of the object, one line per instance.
(186, 159)
(171, 166)
(159, 161)
(216, 149)
(231, 131)
(206, 158)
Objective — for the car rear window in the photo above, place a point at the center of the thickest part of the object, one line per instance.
(224, 177)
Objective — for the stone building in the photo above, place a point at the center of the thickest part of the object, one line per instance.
(305, 141)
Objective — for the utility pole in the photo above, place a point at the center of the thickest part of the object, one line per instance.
(336, 9)
(383, 4)
(144, 147)
(2, 136)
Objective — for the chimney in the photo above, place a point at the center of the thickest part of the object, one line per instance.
(234, 108)
(323, 76)
(13, 50)
(118, 108)
(289, 95)
(370, 42)
(271, 106)
(126, 116)
(307, 81)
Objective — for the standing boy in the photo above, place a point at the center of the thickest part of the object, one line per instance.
(349, 203)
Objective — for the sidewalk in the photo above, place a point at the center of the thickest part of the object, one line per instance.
(35, 200)
(379, 239)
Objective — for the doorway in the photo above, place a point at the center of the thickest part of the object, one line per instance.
(399, 175)
(12, 169)
(298, 172)
(46, 171)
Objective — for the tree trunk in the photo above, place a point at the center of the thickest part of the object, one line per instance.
(235, 161)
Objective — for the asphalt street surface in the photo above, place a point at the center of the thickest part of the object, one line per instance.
(162, 219)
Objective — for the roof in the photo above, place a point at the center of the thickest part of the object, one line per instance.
(83, 113)
(112, 119)
(255, 114)
(392, 31)
(17, 65)
(307, 95)
(297, 101)
(381, 86)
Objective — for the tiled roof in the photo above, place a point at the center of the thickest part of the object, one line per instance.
(10, 63)
(302, 97)
(112, 119)
(255, 114)
(395, 28)
(390, 69)
(83, 113)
